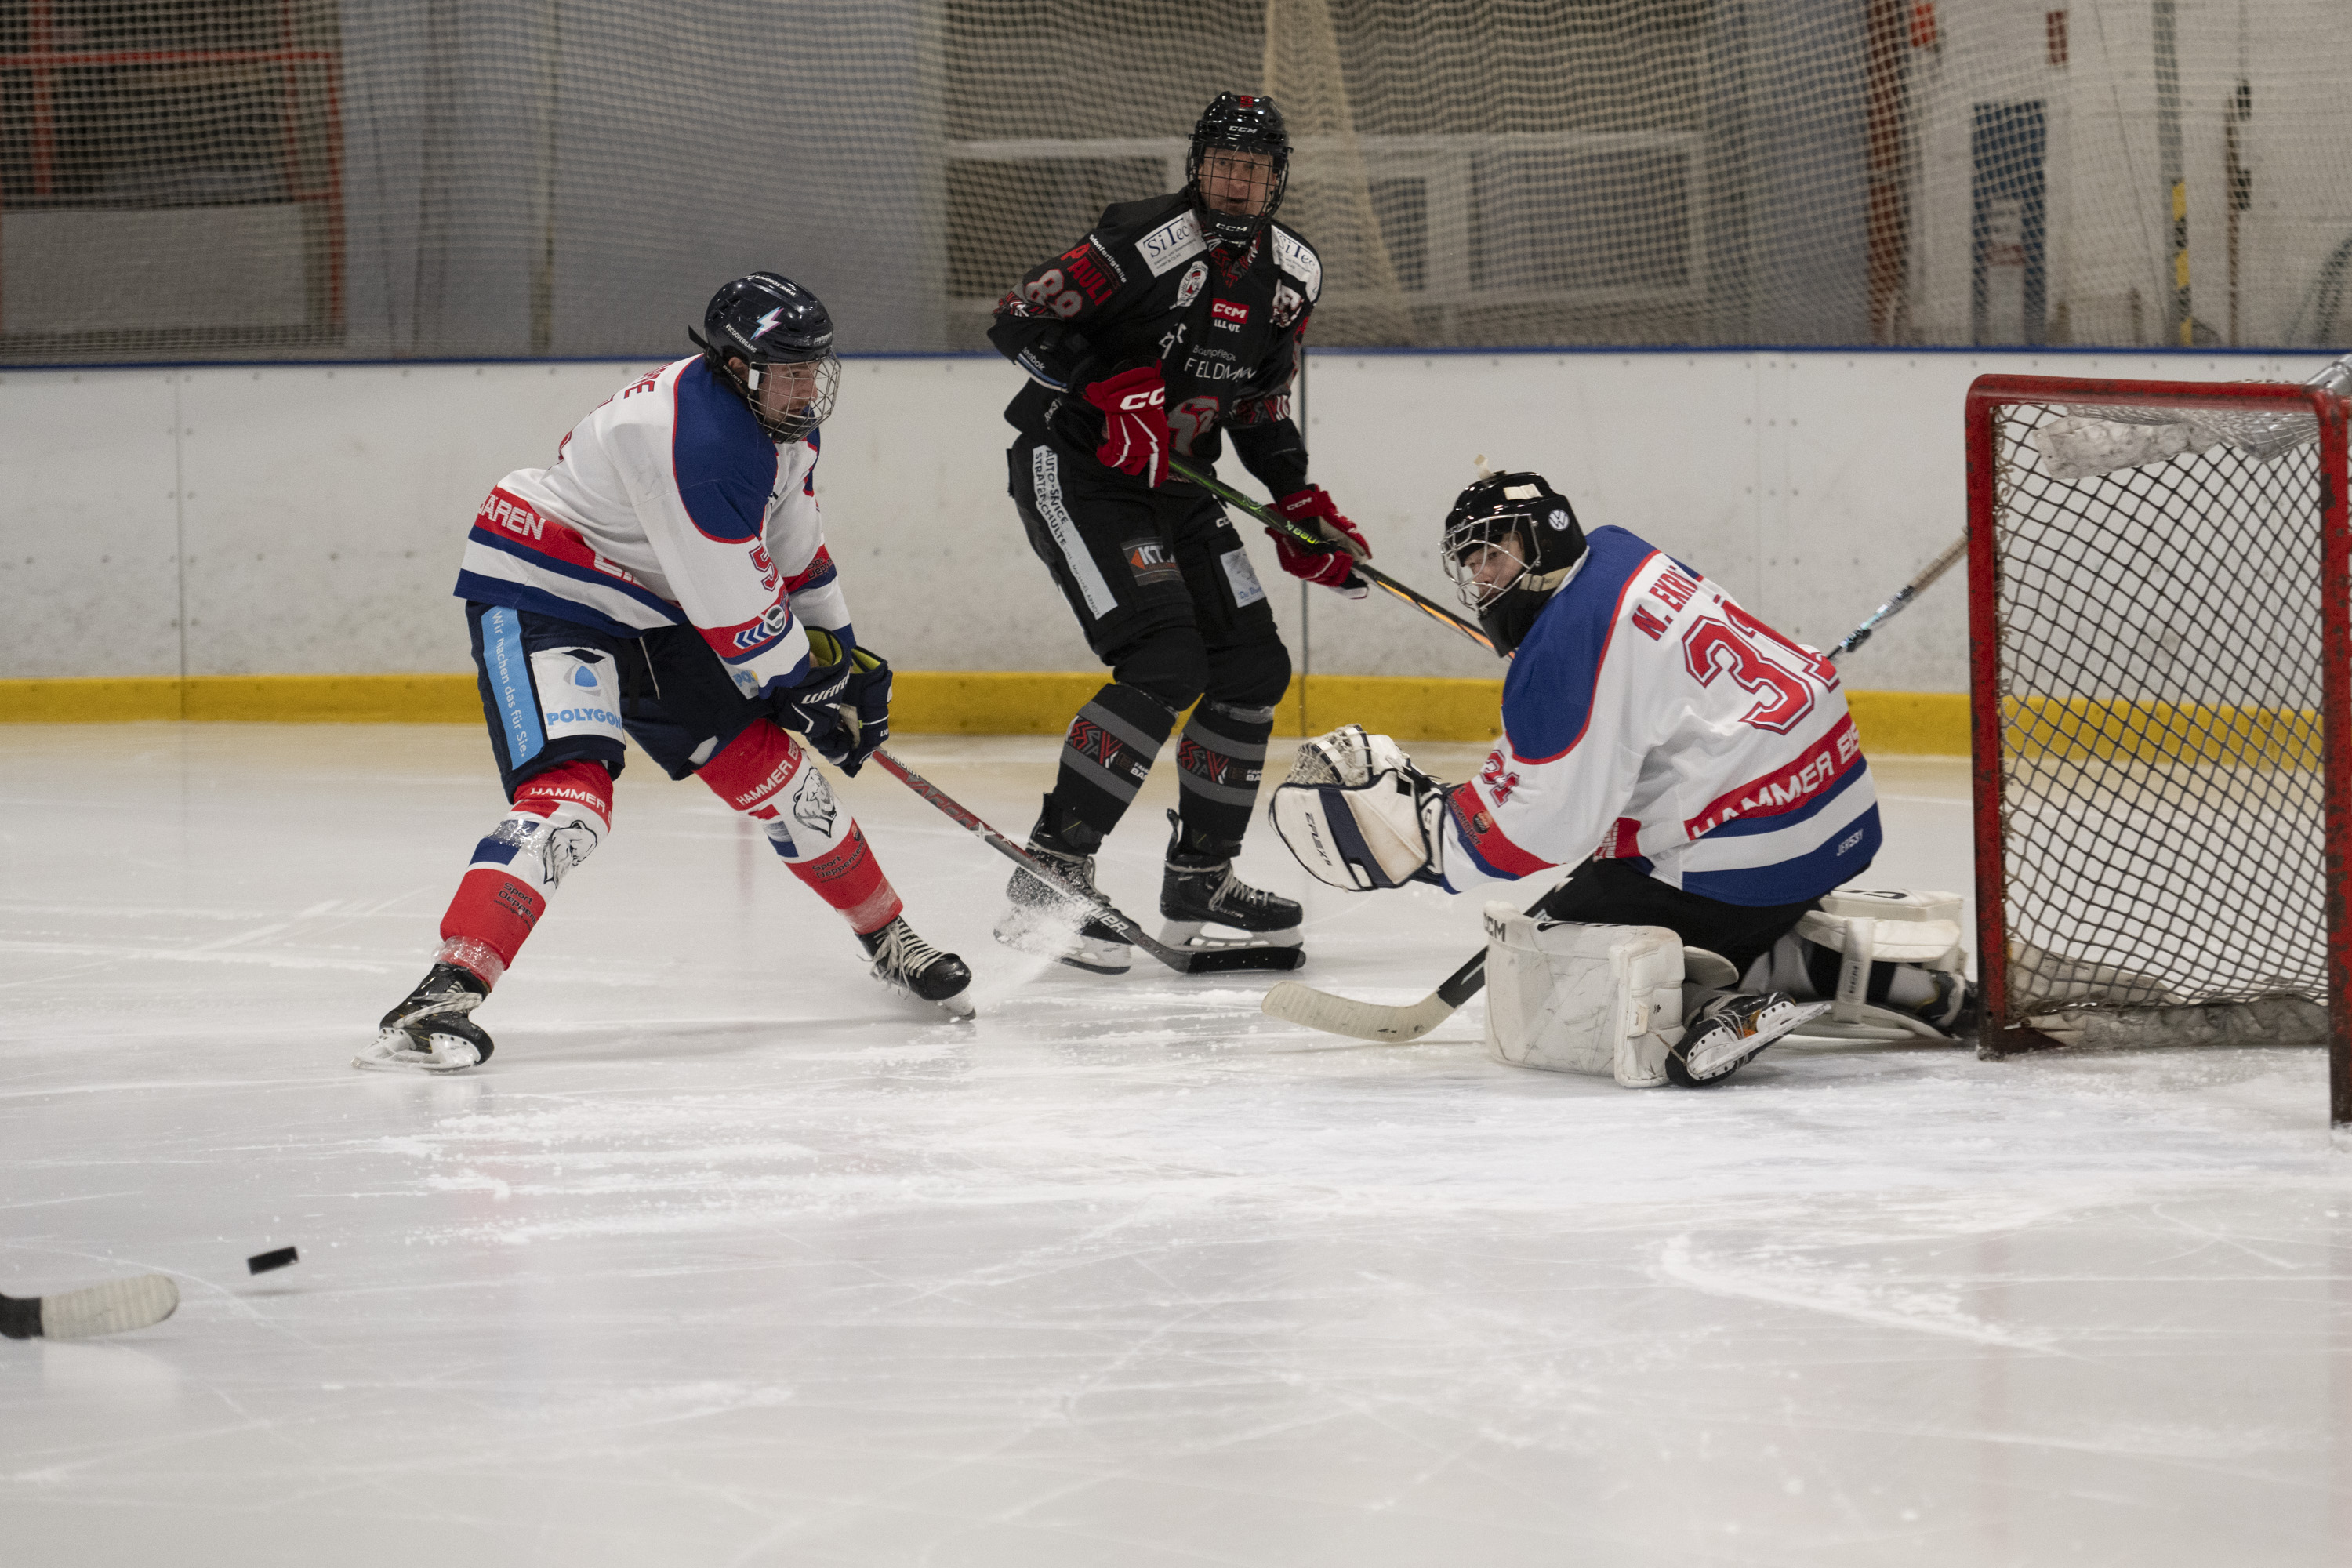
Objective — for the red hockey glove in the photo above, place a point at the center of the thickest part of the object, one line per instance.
(1134, 404)
(1334, 566)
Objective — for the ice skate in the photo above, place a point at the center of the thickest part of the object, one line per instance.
(907, 964)
(1201, 890)
(1731, 1030)
(1047, 920)
(429, 1031)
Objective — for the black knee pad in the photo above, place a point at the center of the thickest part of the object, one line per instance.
(1171, 664)
(1253, 675)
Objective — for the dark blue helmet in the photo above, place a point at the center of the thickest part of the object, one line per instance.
(766, 319)
(1238, 123)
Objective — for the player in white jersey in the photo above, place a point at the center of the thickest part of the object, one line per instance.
(1697, 770)
(666, 578)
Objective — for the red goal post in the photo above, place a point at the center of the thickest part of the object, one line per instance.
(2160, 692)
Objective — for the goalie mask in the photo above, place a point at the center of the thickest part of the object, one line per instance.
(1241, 148)
(1510, 541)
(783, 335)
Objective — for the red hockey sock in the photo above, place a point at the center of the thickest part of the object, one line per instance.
(764, 774)
(557, 820)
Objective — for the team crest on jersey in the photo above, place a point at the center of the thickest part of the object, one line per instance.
(1196, 277)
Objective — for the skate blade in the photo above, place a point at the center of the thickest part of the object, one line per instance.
(1741, 1048)
(1256, 956)
(1067, 947)
(1191, 936)
(396, 1050)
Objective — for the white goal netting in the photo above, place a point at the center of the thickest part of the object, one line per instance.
(288, 178)
(2155, 781)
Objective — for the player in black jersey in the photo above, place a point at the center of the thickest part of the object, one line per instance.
(1173, 325)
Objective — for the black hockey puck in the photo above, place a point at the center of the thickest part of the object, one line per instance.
(262, 1262)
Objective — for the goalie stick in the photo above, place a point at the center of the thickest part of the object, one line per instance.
(1296, 1004)
(113, 1308)
(1183, 960)
(1372, 575)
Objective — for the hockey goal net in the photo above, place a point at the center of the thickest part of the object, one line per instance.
(2161, 665)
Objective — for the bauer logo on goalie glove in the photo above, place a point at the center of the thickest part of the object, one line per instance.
(1358, 815)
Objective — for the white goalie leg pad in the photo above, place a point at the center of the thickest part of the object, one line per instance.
(1357, 813)
(1605, 1000)
(1866, 926)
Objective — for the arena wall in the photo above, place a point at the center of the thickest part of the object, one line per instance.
(178, 540)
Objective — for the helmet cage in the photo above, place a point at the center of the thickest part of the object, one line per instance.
(1469, 545)
(801, 417)
(1238, 123)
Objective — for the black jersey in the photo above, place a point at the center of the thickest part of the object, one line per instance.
(1144, 288)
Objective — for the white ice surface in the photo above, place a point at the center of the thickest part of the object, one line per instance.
(728, 1258)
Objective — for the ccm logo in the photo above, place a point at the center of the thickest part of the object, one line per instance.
(1135, 400)
(1226, 311)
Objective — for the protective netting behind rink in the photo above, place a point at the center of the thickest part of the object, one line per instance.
(258, 178)
(2153, 788)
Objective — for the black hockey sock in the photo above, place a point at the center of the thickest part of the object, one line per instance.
(1108, 753)
(1222, 757)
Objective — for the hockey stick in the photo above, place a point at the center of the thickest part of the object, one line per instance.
(113, 1308)
(1902, 601)
(1372, 575)
(1296, 1004)
(1184, 960)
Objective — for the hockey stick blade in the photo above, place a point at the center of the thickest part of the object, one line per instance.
(1183, 960)
(1335, 1014)
(114, 1308)
(1372, 575)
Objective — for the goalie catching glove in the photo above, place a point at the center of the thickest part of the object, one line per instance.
(1359, 814)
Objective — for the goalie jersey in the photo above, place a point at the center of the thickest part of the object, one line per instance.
(1648, 718)
(668, 505)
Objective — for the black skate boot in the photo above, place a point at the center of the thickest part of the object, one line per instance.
(1201, 889)
(1730, 1030)
(906, 962)
(429, 1031)
(1046, 920)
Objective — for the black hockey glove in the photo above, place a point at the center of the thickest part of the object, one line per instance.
(868, 696)
(810, 709)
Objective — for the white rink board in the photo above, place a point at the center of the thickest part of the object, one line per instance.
(313, 515)
(727, 1257)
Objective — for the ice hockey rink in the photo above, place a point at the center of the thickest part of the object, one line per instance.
(727, 1257)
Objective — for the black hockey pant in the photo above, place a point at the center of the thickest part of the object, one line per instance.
(1611, 892)
(1167, 597)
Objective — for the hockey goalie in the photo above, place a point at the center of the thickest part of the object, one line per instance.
(1715, 764)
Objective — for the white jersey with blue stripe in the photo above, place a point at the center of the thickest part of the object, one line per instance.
(668, 505)
(1648, 718)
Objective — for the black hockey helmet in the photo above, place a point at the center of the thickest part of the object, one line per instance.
(1238, 123)
(1510, 541)
(766, 319)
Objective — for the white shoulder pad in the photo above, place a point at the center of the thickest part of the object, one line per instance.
(1298, 258)
(1172, 244)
